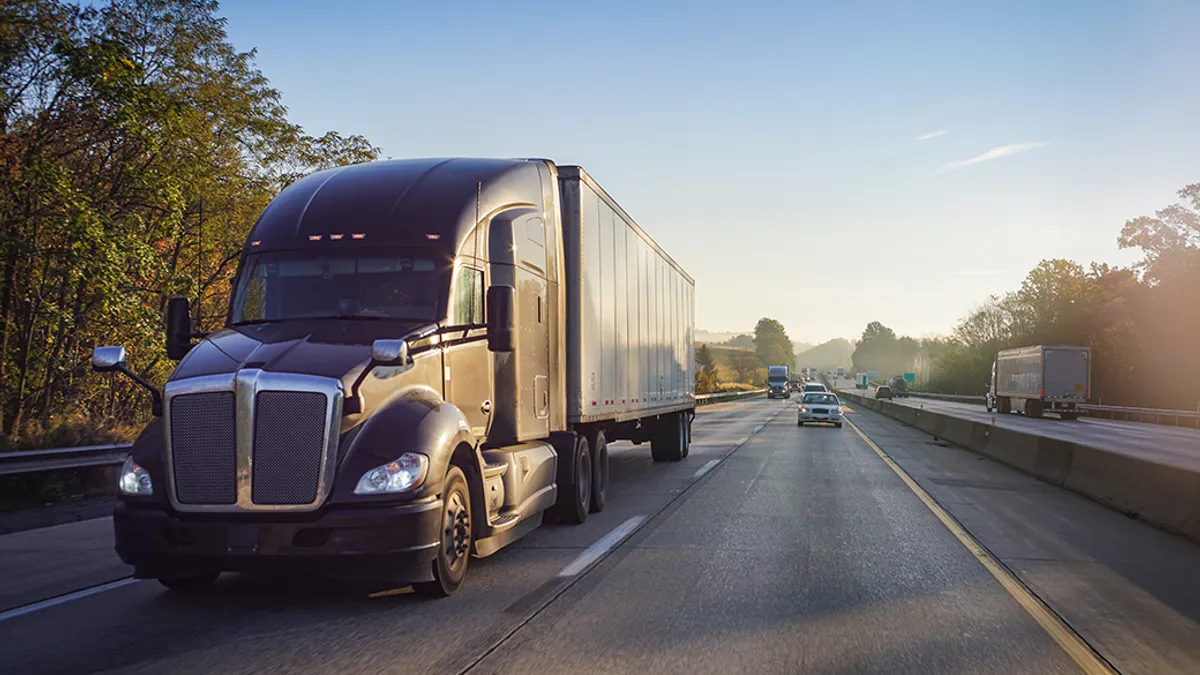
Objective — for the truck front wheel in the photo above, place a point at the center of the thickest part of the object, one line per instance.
(454, 551)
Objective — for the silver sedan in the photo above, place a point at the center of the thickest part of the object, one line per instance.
(819, 407)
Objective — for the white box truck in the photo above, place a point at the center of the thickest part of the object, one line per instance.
(1041, 379)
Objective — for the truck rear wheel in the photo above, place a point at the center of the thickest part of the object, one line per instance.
(670, 439)
(1033, 409)
(454, 551)
(575, 484)
(599, 471)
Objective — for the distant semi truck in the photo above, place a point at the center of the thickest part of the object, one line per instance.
(1041, 379)
(861, 381)
(778, 382)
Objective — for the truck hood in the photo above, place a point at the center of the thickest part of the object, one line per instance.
(328, 348)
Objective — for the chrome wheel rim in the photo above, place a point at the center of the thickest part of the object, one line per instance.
(456, 533)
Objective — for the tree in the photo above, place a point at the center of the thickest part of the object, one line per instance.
(707, 379)
(772, 345)
(744, 364)
(137, 147)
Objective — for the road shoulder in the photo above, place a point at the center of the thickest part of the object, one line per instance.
(1127, 588)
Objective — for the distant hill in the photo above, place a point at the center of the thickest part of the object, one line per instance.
(714, 337)
(800, 347)
(831, 354)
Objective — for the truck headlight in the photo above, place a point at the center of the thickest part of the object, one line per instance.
(803, 409)
(134, 479)
(405, 473)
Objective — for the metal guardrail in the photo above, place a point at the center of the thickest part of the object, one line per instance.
(31, 461)
(1153, 415)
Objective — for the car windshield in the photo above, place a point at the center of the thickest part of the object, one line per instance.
(388, 284)
(828, 399)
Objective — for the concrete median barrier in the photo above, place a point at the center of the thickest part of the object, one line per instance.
(1165, 496)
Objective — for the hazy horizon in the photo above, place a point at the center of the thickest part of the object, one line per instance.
(826, 166)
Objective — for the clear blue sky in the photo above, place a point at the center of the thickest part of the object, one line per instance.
(772, 147)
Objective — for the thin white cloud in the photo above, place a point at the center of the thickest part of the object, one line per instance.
(999, 152)
(932, 134)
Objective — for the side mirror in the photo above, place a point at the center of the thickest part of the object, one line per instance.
(383, 353)
(500, 302)
(390, 352)
(108, 359)
(112, 360)
(179, 328)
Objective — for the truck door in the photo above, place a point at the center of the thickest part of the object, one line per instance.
(533, 316)
(468, 365)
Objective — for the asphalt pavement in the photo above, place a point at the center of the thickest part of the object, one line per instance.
(770, 549)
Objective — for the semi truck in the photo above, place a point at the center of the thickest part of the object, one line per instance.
(422, 360)
(1040, 379)
(778, 382)
(861, 381)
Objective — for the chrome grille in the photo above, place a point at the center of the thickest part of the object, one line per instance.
(204, 448)
(289, 440)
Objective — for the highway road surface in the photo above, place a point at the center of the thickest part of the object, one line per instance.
(1173, 446)
(770, 549)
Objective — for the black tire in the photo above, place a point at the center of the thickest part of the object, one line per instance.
(191, 583)
(668, 442)
(599, 471)
(1033, 409)
(575, 485)
(799, 423)
(454, 551)
(1004, 406)
(837, 424)
(1069, 415)
(685, 421)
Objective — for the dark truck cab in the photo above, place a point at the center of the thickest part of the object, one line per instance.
(360, 414)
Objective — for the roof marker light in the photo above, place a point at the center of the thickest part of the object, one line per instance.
(336, 237)
(359, 235)
(256, 243)
(433, 237)
(314, 237)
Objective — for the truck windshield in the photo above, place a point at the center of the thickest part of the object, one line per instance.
(777, 374)
(383, 284)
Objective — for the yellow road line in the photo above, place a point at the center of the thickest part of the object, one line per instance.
(1059, 631)
(390, 592)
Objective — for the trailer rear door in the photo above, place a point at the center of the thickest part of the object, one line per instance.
(1067, 373)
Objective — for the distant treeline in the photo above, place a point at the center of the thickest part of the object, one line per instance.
(137, 147)
(1142, 322)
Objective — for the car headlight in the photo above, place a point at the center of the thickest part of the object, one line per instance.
(134, 479)
(803, 409)
(405, 473)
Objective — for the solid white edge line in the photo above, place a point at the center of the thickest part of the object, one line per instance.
(706, 468)
(63, 599)
(602, 546)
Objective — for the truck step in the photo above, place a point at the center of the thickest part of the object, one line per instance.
(494, 470)
(504, 522)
